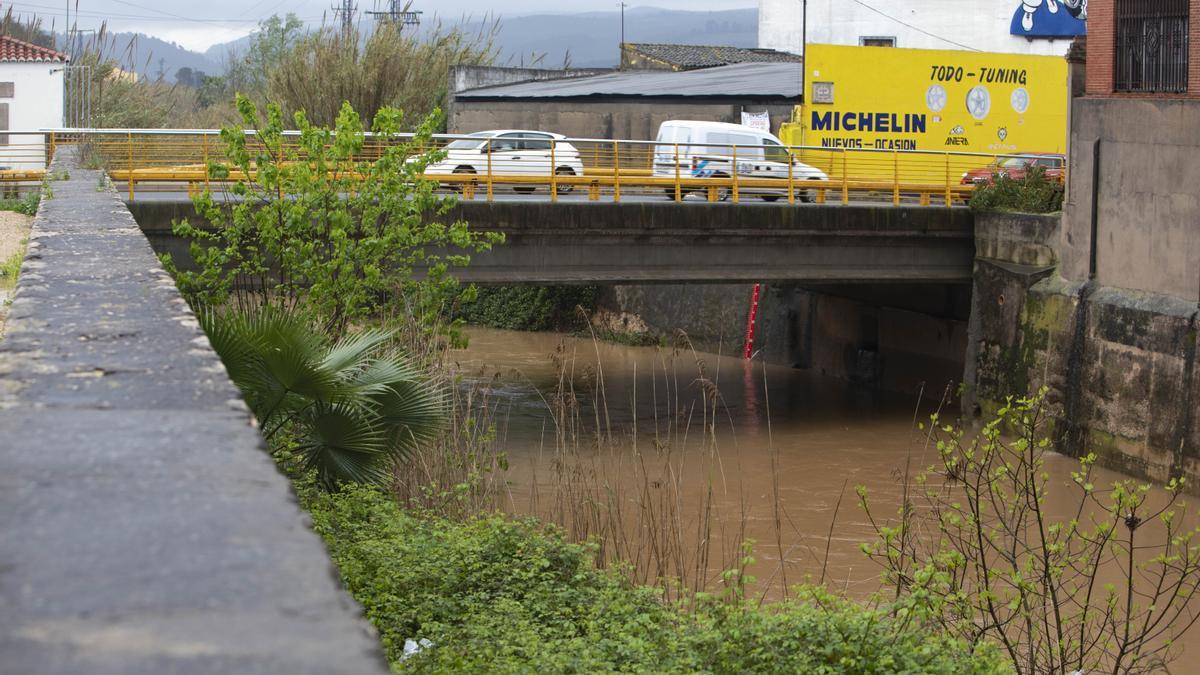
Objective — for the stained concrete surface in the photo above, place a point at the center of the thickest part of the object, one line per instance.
(143, 529)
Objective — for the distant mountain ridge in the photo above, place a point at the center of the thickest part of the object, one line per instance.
(584, 40)
(592, 39)
(150, 56)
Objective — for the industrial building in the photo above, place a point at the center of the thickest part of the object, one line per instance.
(631, 104)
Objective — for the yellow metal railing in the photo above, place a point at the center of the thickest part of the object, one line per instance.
(496, 167)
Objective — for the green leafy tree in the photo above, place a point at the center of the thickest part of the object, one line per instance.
(349, 410)
(1107, 590)
(248, 72)
(329, 221)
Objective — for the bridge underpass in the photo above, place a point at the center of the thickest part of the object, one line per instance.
(879, 295)
(607, 243)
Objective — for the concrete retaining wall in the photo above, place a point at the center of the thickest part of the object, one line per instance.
(1147, 237)
(1119, 363)
(143, 527)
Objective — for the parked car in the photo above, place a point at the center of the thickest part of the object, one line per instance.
(708, 149)
(510, 152)
(1015, 168)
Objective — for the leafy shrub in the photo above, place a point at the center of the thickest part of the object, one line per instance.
(316, 221)
(530, 307)
(500, 595)
(26, 205)
(1033, 193)
(1109, 589)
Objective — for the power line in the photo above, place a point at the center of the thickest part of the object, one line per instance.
(919, 30)
(346, 11)
(398, 14)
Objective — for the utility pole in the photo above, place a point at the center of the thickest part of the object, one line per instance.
(346, 11)
(804, 33)
(623, 6)
(395, 14)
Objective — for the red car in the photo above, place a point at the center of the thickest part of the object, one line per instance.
(1015, 168)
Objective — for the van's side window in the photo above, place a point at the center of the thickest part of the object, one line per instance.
(775, 152)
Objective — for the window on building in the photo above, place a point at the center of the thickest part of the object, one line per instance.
(1151, 46)
(877, 41)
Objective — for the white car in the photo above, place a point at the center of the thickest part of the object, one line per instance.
(692, 149)
(510, 152)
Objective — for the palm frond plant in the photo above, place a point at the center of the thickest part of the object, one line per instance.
(350, 410)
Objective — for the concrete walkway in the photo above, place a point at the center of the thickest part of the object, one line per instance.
(143, 529)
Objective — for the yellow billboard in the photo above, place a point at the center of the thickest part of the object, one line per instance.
(933, 100)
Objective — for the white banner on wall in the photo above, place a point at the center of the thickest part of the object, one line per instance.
(757, 120)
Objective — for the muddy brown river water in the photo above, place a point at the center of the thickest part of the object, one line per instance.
(677, 457)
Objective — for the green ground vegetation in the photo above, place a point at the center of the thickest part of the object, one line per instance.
(560, 308)
(501, 595)
(26, 205)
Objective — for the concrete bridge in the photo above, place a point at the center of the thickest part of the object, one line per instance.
(663, 242)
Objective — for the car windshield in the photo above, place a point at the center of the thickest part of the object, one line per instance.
(468, 143)
(1011, 162)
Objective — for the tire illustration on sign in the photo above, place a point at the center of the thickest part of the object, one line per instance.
(1020, 100)
(979, 102)
(935, 97)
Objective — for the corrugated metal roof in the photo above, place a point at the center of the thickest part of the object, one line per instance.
(741, 80)
(706, 56)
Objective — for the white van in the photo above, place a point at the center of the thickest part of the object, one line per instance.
(706, 151)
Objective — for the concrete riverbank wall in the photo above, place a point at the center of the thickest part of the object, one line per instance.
(143, 527)
(1118, 363)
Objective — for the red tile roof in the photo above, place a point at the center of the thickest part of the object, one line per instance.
(12, 49)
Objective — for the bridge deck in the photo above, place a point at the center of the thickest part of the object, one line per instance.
(640, 241)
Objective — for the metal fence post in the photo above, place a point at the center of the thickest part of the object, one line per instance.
(678, 192)
(616, 171)
(948, 197)
(204, 145)
(791, 180)
(129, 169)
(845, 179)
(553, 174)
(489, 176)
(734, 171)
(895, 178)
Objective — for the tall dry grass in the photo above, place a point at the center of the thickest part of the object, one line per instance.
(405, 69)
(654, 495)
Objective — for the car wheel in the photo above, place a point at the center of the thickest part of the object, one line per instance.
(460, 187)
(770, 198)
(724, 191)
(564, 171)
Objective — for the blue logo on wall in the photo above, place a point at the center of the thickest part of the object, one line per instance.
(1050, 19)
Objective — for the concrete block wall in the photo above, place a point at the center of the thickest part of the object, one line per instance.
(1148, 198)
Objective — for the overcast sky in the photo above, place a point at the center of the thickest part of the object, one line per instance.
(197, 25)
